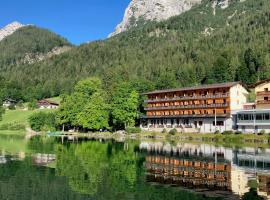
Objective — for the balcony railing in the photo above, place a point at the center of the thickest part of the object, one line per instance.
(264, 93)
(263, 102)
(252, 122)
(216, 96)
(224, 105)
(185, 116)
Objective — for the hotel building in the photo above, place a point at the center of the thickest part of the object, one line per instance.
(254, 119)
(206, 108)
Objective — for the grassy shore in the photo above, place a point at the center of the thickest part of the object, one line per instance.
(218, 139)
(16, 116)
(242, 140)
(15, 122)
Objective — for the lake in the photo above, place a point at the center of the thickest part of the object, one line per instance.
(43, 168)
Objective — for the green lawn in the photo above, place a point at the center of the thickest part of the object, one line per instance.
(16, 116)
(19, 117)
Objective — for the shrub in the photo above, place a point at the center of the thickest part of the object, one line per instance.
(133, 130)
(238, 133)
(173, 131)
(217, 132)
(11, 107)
(42, 121)
(227, 133)
(262, 132)
(32, 105)
(164, 131)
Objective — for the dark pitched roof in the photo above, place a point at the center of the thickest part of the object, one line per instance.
(259, 83)
(209, 86)
(47, 102)
(10, 100)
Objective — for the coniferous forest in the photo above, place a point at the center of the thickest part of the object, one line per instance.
(200, 46)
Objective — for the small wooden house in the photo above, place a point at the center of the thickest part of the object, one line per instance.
(9, 103)
(47, 104)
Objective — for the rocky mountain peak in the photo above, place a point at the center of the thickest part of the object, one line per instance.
(9, 29)
(152, 10)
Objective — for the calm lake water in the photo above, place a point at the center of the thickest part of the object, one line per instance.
(43, 168)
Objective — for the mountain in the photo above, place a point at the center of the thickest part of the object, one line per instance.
(208, 43)
(141, 11)
(10, 29)
(28, 44)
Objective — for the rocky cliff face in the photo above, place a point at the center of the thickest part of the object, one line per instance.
(9, 29)
(140, 11)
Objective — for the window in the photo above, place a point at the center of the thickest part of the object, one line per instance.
(265, 98)
(266, 89)
(219, 123)
(259, 117)
(200, 123)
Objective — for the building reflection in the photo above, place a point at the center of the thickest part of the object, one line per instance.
(43, 159)
(208, 168)
(40, 159)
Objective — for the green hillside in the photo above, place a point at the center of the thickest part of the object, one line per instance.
(194, 48)
(27, 40)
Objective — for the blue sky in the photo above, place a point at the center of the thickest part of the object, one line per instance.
(77, 20)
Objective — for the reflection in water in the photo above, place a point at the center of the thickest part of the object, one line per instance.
(46, 169)
(208, 167)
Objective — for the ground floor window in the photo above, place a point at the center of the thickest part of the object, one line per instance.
(219, 123)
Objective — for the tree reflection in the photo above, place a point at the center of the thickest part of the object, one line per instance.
(111, 171)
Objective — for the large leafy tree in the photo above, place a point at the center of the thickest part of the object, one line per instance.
(124, 106)
(95, 115)
(71, 111)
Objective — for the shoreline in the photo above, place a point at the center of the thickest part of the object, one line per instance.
(215, 139)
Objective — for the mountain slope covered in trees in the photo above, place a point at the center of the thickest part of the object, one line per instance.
(204, 45)
(26, 41)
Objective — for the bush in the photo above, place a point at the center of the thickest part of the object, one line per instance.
(217, 132)
(262, 132)
(133, 130)
(164, 131)
(227, 133)
(42, 121)
(32, 105)
(11, 107)
(238, 133)
(173, 131)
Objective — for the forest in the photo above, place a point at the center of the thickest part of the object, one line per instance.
(197, 47)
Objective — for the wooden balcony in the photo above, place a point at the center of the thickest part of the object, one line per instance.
(263, 102)
(216, 96)
(224, 105)
(264, 93)
(180, 116)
